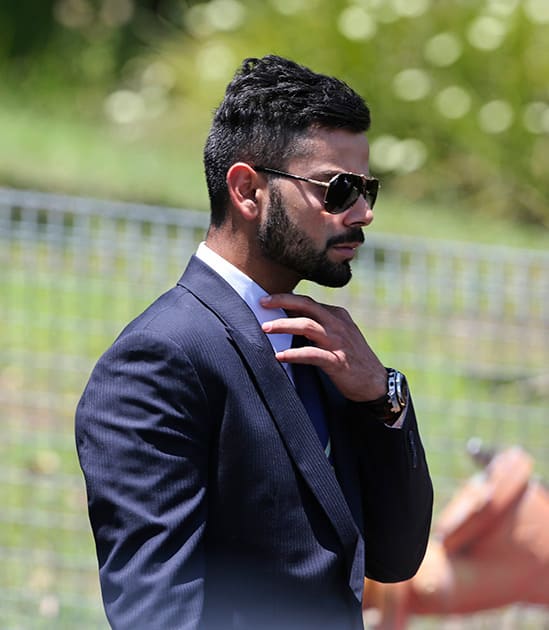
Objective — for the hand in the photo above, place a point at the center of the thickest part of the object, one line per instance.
(338, 345)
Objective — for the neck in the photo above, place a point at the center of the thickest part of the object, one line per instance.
(246, 257)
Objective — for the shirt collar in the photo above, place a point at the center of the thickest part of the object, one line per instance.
(248, 290)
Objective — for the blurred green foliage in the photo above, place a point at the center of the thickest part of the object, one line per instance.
(458, 89)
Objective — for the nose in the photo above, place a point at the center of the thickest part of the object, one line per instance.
(359, 214)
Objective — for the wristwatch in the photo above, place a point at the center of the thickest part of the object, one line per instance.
(389, 406)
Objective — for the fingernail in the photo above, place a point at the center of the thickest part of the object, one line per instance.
(265, 299)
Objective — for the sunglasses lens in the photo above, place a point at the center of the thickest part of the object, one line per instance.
(343, 191)
(371, 187)
(346, 188)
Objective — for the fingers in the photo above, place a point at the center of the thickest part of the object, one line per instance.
(319, 323)
(309, 355)
(306, 319)
(338, 347)
(304, 326)
(297, 305)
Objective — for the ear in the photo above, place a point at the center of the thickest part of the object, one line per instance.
(247, 190)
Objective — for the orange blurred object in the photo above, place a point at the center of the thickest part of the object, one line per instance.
(489, 548)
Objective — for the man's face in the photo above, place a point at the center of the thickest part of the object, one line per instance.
(283, 241)
(297, 233)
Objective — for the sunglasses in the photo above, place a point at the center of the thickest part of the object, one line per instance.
(342, 190)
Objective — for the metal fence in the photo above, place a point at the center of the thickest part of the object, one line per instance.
(468, 324)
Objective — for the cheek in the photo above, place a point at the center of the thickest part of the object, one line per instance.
(317, 235)
(301, 200)
(308, 223)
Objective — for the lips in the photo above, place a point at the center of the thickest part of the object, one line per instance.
(347, 249)
(346, 245)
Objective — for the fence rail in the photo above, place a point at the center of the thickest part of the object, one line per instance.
(468, 324)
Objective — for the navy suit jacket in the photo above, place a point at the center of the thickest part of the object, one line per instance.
(212, 503)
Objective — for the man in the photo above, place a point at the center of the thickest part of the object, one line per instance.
(220, 496)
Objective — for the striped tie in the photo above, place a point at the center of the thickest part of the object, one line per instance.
(309, 390)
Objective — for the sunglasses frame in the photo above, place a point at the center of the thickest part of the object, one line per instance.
(369, 195)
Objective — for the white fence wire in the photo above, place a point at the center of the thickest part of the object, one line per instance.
(468, 324)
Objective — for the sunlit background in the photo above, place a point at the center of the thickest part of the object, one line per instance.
(97, 91)
(104, 108)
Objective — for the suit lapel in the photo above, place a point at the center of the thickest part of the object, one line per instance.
(279, 395)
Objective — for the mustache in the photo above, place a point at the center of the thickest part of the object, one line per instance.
(354, 235)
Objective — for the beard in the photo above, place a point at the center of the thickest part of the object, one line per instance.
(283, 242)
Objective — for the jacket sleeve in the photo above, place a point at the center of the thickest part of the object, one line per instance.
(142, 430)
(397, 495)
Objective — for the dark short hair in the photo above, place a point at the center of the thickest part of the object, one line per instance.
(268, 106)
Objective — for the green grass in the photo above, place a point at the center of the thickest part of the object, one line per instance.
(67, 155)
(455, 222)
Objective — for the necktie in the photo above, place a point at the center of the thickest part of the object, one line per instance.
(309, 390)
